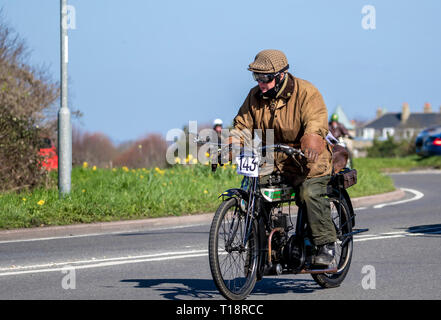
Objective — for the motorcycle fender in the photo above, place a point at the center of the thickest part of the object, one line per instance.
(349, 203)
(230, 193)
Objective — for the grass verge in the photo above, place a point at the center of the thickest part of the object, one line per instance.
(100, 195)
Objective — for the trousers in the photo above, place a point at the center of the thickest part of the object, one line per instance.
(312, 194)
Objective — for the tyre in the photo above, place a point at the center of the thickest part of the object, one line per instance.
(343, 247)
(232, 264)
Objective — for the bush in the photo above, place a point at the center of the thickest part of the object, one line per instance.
(19, 160)
(391, 148)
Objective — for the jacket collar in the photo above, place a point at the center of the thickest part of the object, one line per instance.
(288, 90)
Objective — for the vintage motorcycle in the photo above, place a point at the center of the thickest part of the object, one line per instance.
(252, 235)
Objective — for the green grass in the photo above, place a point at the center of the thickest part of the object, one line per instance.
(108, 195)
(120, 194)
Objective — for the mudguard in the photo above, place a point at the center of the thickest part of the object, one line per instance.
(236, 192)
(332, 191)
(345, 195)
(349, 203)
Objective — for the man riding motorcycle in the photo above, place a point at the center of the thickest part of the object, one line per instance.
(295, 110)
(337, 131)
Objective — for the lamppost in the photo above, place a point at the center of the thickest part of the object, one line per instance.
(64, 122)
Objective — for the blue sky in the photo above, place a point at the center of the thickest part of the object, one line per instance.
(139, 67)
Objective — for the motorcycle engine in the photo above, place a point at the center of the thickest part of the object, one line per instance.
(294, 253)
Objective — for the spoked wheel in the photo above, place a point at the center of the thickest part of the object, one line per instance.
(233, 265)
(343, 247)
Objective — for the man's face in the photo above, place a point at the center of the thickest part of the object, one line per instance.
(265, 86)
(218, 128)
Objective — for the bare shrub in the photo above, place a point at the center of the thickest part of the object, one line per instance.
(145, 153)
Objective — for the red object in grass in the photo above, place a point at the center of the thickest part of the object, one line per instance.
(49, 153)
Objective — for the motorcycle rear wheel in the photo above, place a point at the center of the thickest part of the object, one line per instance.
(344, 246)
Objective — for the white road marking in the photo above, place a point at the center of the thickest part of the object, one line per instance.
(106, 233)
(418, 195)
(108, 262)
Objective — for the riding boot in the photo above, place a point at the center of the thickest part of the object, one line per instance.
(325, 254)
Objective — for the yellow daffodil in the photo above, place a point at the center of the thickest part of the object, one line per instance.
(24, 199)
(84, 190)
(94, 168)
(125, 169)
(205, 191)
(177, 160)
(85, 164)
(194, 161)
(40, 203)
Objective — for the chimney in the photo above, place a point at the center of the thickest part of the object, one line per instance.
(427, 108)
(405, 113)
(380, 112)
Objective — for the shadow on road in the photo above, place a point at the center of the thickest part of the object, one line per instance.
(429, 229)
(177, 289)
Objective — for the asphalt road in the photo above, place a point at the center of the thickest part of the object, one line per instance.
(399, 258)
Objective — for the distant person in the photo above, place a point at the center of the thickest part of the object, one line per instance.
(217, 126)
(337, 129)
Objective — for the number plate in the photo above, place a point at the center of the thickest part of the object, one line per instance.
(248, 166)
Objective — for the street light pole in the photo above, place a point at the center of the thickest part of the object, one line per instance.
(64, 122)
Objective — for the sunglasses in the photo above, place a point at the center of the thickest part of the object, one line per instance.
(264, 77)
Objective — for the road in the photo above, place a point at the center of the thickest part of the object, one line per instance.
(399, 258)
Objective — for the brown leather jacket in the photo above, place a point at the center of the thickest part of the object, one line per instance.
(298, 110)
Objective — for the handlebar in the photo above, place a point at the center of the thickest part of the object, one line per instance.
(289, 151)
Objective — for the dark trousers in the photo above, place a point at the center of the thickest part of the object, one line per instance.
(312, 193)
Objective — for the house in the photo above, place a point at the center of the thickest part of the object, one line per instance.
(402, 125)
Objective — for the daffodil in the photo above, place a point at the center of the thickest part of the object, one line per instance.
(40, 203)
(94, 168)
(177, 160)
(85, 164)
(24, 199)
(125, 169)
(84, 190)
(194, 161)
(205, 191)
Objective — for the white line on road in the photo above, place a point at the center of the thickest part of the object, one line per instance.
(106, 233)
(418, 195)
(108, 262)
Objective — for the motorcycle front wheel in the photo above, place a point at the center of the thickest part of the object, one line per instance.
(233, 265)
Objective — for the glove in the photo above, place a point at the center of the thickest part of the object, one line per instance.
(312, 146)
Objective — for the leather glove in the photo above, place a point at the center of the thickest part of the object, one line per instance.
(312, 146)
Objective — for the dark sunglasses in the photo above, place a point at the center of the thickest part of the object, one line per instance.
(264, 77)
